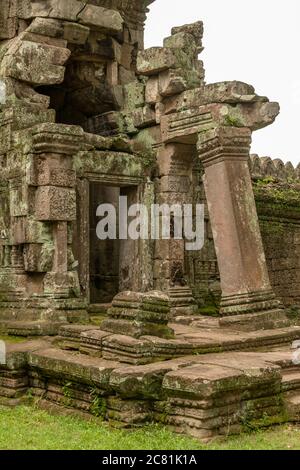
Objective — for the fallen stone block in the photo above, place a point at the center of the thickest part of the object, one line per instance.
(91, 342)
(69, 336)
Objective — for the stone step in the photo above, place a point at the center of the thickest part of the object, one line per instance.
(98, 309)
(30, 328)
(269, 320)
(69, 336)
(205, 340)
(73, 366)
(291, 379)
(292, 405)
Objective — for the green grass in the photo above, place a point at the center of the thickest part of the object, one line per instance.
(30, 428)
(13, 339)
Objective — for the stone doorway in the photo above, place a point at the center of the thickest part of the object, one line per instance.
(106, 267)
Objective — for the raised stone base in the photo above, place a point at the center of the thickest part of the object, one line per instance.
(40, 316)
(256, 321)
(146, 350)
(182, 302)
(29, 329)
(136, 314)
(69, 336)
(219, 397)
(250, 302)
(206, 382)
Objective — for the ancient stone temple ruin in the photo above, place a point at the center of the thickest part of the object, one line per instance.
(140, 330)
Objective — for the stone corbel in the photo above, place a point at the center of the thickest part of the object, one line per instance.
(184, 126)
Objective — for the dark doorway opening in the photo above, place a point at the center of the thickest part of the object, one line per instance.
(104, 254)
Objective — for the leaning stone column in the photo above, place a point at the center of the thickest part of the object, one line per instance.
(245, 283)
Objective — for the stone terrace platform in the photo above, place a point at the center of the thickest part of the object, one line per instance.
(207, 381)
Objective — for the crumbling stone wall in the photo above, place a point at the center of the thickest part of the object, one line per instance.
(277, 192)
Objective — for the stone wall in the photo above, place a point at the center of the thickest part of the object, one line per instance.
(202, 266)
(277, 193)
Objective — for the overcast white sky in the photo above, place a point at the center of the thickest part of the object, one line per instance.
(256, 42)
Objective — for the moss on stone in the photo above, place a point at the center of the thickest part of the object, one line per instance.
(143, 145)
(233, 121)
(98, 319)
(281, 194)
(266, 421)
(98, 406)
(13, 339)
(209, 310)
(293, 313)
(211, 304)
(273, 227)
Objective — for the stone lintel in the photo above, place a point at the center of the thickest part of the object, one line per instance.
(184, 126)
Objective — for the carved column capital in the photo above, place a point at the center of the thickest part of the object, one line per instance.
(57, 138)
(224, 143)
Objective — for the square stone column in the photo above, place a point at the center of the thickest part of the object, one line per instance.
(54, 179)
(245, 283)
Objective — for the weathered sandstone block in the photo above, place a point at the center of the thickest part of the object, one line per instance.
(8, 19)
(157, 59)
(54, 203)
(31, 62)
(66, 10)
(108, 21)
(139, 315)
(195, 29)
(97, 17)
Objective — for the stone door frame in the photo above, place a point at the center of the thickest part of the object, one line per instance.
(82, 237)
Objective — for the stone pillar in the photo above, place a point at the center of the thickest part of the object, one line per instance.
(55, 200)
(245, 283)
